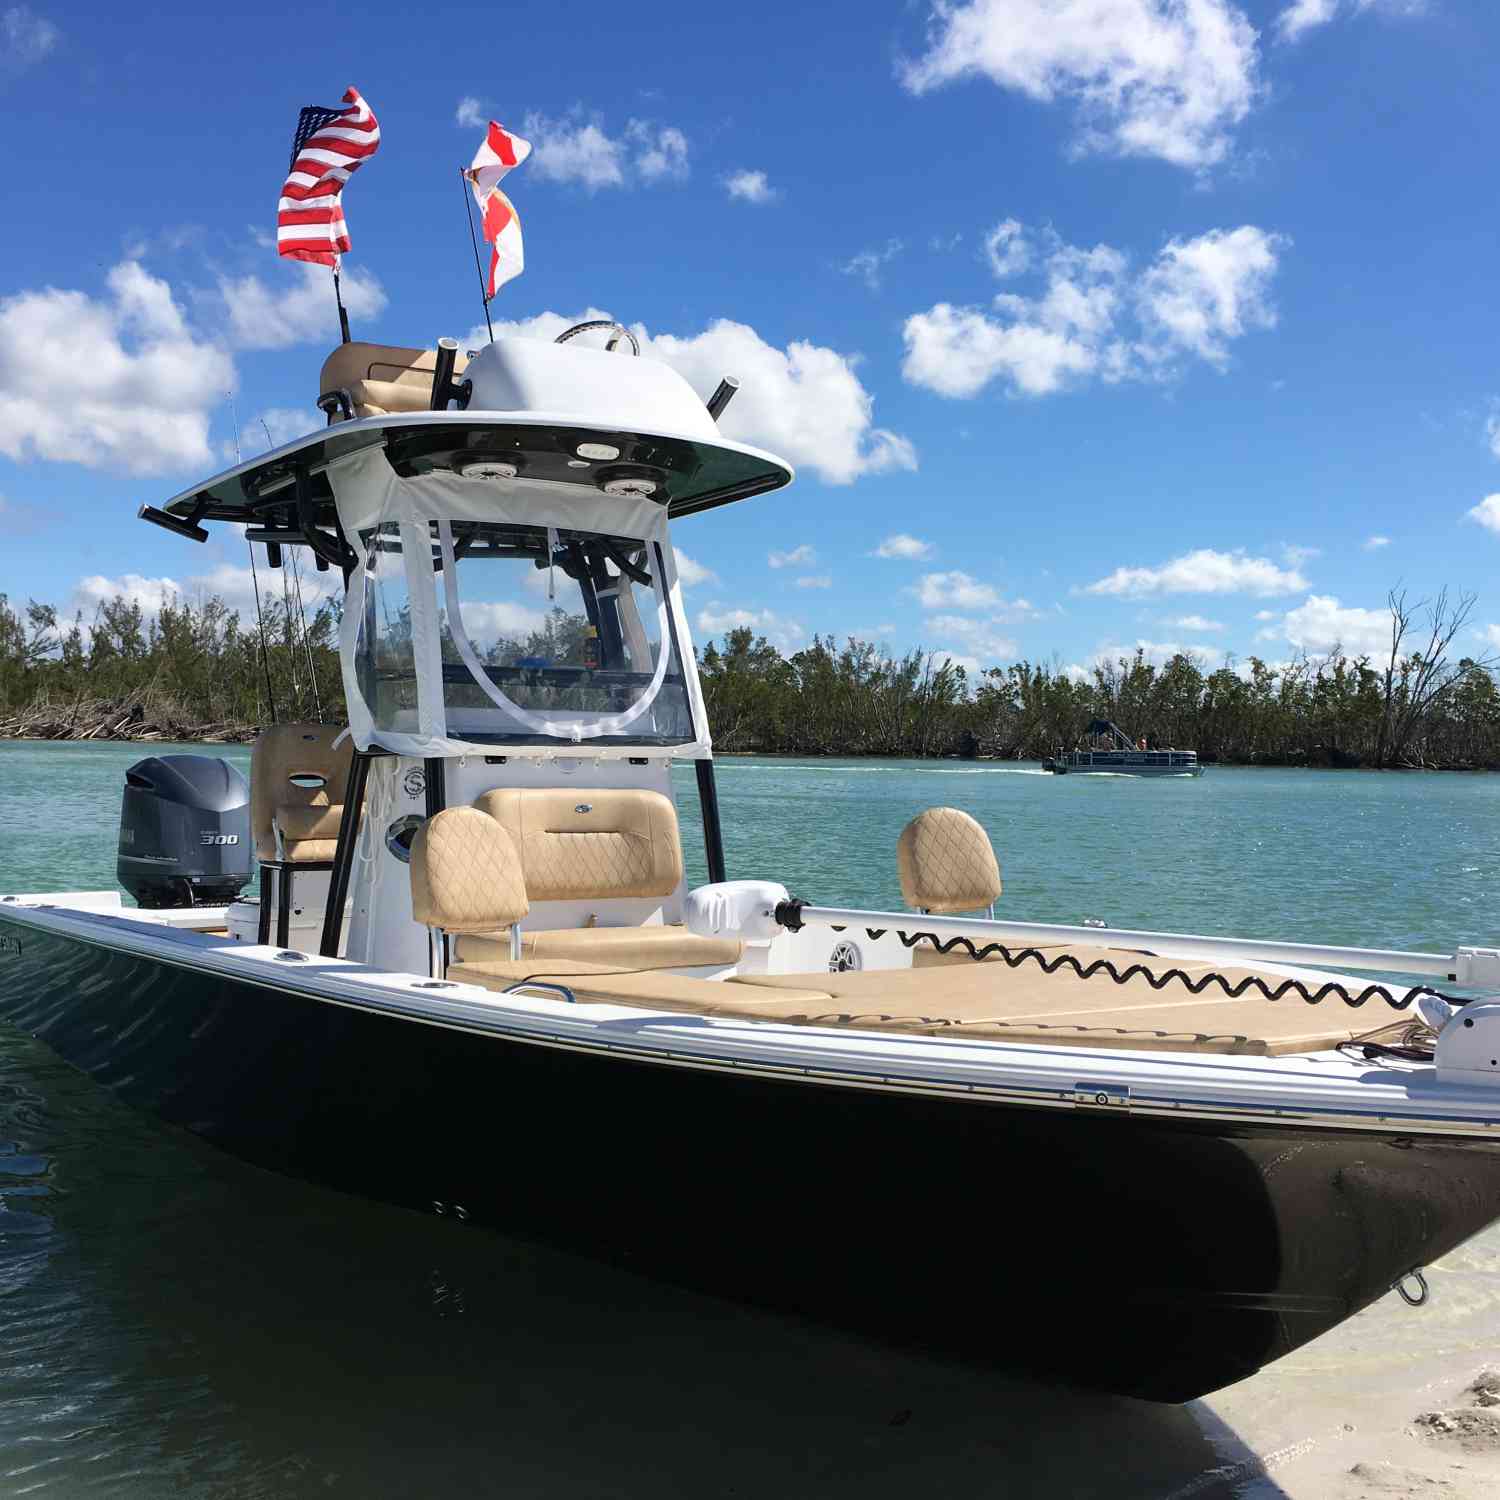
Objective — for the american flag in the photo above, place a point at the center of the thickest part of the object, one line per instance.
(328, 146)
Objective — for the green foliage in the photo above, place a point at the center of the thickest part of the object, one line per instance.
(855, 699)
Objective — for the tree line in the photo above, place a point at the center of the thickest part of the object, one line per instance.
(194, 669)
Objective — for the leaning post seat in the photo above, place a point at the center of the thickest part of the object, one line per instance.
(297, 783)
(372, 380)
(947, 865)
(597, 844)
(465, 878)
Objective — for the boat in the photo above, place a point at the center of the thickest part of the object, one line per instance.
(475, 982)
(1111, 752)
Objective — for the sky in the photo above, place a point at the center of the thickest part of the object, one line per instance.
(1087, 324)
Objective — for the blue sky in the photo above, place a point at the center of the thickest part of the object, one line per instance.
(1105, 321)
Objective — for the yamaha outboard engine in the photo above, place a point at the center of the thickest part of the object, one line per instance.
(184, 831)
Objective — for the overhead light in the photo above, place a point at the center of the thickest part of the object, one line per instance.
(487, 468)
(599, 452)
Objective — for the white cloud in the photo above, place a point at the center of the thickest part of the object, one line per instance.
(784, 634)
(1301, 16)
(297, 309)
(660, 151)
(953, 590)
(1194, 622)
(977, 637)
(235, 585)
(1203, 572)
(1375, 543)
(1491, 634)
(1007, 248)
(1090, 320)
(796, 557)
(574, 150)
(1487, 513)
(1200, 293)
(578, 149)
(690, 573)
(1265, 614)
(1159, 78)
(1158, 653)
(1492, 433)
(486, 622)
(1294, 556)
(942, 657)
(112, 382)
(471, 113)
(815, 581)
(907, 548)
(804, 402)
(749, 186)
(25, 38)
(868, 264)
(1321, 624)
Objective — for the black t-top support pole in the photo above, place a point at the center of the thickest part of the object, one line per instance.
(713, 833)
(343, 855)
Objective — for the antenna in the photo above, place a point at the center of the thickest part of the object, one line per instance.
(260, 619)
(463, 182)
(338, 297)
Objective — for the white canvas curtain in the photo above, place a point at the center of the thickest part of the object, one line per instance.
(370, 495)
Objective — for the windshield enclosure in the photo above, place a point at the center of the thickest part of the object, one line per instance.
(544, 634)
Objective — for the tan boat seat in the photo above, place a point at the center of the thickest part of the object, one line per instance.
(946, 863)
(377, 379)
(298, 779)
(598, 844)
(655, 946)
(293, 822)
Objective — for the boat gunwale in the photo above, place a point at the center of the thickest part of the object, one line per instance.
(823, 1055)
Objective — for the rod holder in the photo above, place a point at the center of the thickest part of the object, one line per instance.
(722, 396)
(443, 389)
(169, 522)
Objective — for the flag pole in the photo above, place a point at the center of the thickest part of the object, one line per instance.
(463, 182)
(338, 297)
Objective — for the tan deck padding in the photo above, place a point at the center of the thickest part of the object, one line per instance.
(994, 1000)
(977, 1013)
(650, 947)
(588, 843)
(946, 863)
(284, 751)
(465, 873)
(654, 991)
(382, 378)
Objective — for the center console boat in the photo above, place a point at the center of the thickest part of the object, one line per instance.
(476, 983)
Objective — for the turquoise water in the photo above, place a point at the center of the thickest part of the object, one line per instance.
(174, 1322)
(1406, 860)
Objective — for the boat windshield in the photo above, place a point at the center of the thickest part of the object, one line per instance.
(544, 634)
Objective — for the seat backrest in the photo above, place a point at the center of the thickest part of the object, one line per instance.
(578, 843)
(284, 755)
(466, 873)
(383, 378)
(946, 862)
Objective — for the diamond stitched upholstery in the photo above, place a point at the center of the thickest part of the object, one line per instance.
(466, 874)
(582, 843)
(284, 751)
(946, 862)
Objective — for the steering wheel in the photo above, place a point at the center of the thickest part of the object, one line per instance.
(620, 332)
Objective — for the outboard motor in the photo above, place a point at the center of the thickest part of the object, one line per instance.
(184, 831)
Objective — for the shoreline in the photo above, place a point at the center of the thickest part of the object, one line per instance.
(246, 734)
